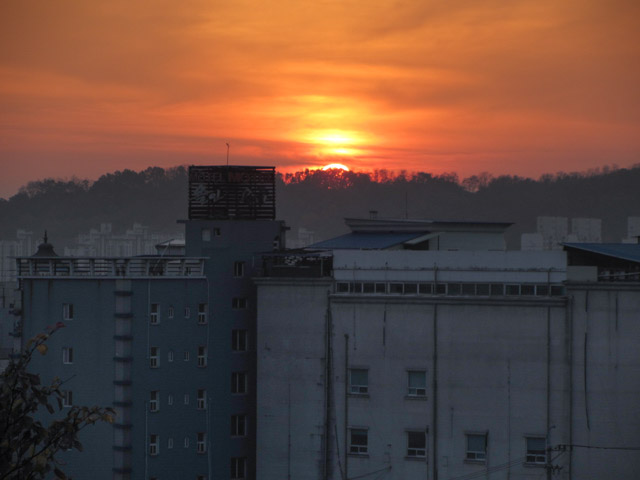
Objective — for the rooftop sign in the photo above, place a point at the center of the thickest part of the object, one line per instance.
(232, 192)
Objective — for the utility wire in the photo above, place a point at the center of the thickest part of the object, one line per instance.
(598, 447)
(370, 473)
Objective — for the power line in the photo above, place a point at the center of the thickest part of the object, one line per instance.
(596, 447)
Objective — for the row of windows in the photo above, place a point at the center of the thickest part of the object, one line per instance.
(154, 356)
(451, 288)
(475, 446)
(416, 382)
(154, 443)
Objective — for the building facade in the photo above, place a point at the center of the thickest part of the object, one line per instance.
(168, 341)
(389, 357)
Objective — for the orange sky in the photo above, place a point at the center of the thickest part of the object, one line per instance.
(520, 87)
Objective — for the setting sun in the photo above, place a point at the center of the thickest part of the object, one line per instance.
(336, 166)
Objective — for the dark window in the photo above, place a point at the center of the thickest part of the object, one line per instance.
(476, 447)
(239, 340)
(239, 303)
(416, 444)
(482, 289)
(239, 382)
(358, 441)
(358, 381)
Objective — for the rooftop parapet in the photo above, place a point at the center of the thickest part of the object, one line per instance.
(105, 267)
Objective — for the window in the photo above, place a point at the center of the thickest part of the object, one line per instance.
(358, 381)
(206, 235)
(154, 357)
(238, 425)
(202, 356)
(476, 447)
(202, 313)
(417, 383)
(536, 450)
(186, 355)
(170, 400)
(170, 356)
(154, 401)
(170, 443)
(186, 442)
(67, 398)
(202, 442)
(358, 441)
(67, 355)
(417, 444)
(239, 340)
(154, 444)
(202, 400)
(238, 382)
(154, 314)
(342, 287)
(239, 303)
(187, 312)
(186, 399)
(170, 312)
(67, 311)
(238, 467)
(238, 269)
(217, 232)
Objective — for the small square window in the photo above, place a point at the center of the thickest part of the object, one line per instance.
(476, 447)
(512, 289)
(417, 444)
(154, 444)
(154, 401)
(67, 311)
(396, 288)
(368, 288)
(468, 289)
(441, 288)
(202, 443)
(238, 467)
(417, 383)
(202, 356)
(358, 381)
(239, 340)
(410, 288)
(239, 383)
(358, 441)
(238, 425)
(202, 400)
(238, 269)
(154, 357)
(483, 289)
(454, 289)
(536, 450)
(381, 288)
(342, 287)
(217, 232)
(67, 355)
(425, 288)
(528, 290)
(67, 398)
(203, 313)
(497, 289)
(239, 303)
(154, 314)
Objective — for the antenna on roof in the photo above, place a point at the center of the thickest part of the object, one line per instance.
(227, 153)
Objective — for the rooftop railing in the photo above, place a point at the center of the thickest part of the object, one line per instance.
(122, 267)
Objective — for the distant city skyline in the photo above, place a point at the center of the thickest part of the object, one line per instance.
(522, 88)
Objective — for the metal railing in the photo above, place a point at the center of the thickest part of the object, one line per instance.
(135, 267)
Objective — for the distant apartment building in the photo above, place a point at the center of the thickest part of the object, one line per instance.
(103, 242)
(168, 339)
(552, 232)
(413, 349)
(23, 244)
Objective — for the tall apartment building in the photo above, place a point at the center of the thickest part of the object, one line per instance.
(409, 349)
(167, 340)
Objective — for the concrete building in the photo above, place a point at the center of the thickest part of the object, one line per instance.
(412, 350)
(167, 340)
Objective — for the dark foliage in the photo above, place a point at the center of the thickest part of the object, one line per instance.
(27, 446)
(320, 200)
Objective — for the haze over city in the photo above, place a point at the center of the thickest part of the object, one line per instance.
(520, 87)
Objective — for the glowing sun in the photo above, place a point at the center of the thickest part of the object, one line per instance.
(336, 166)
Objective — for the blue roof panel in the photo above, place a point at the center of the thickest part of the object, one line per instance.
(624, 251)
(367, 240)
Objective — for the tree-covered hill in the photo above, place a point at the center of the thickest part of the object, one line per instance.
(319, 201)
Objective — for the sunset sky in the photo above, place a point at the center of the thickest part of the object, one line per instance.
(520, 86)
